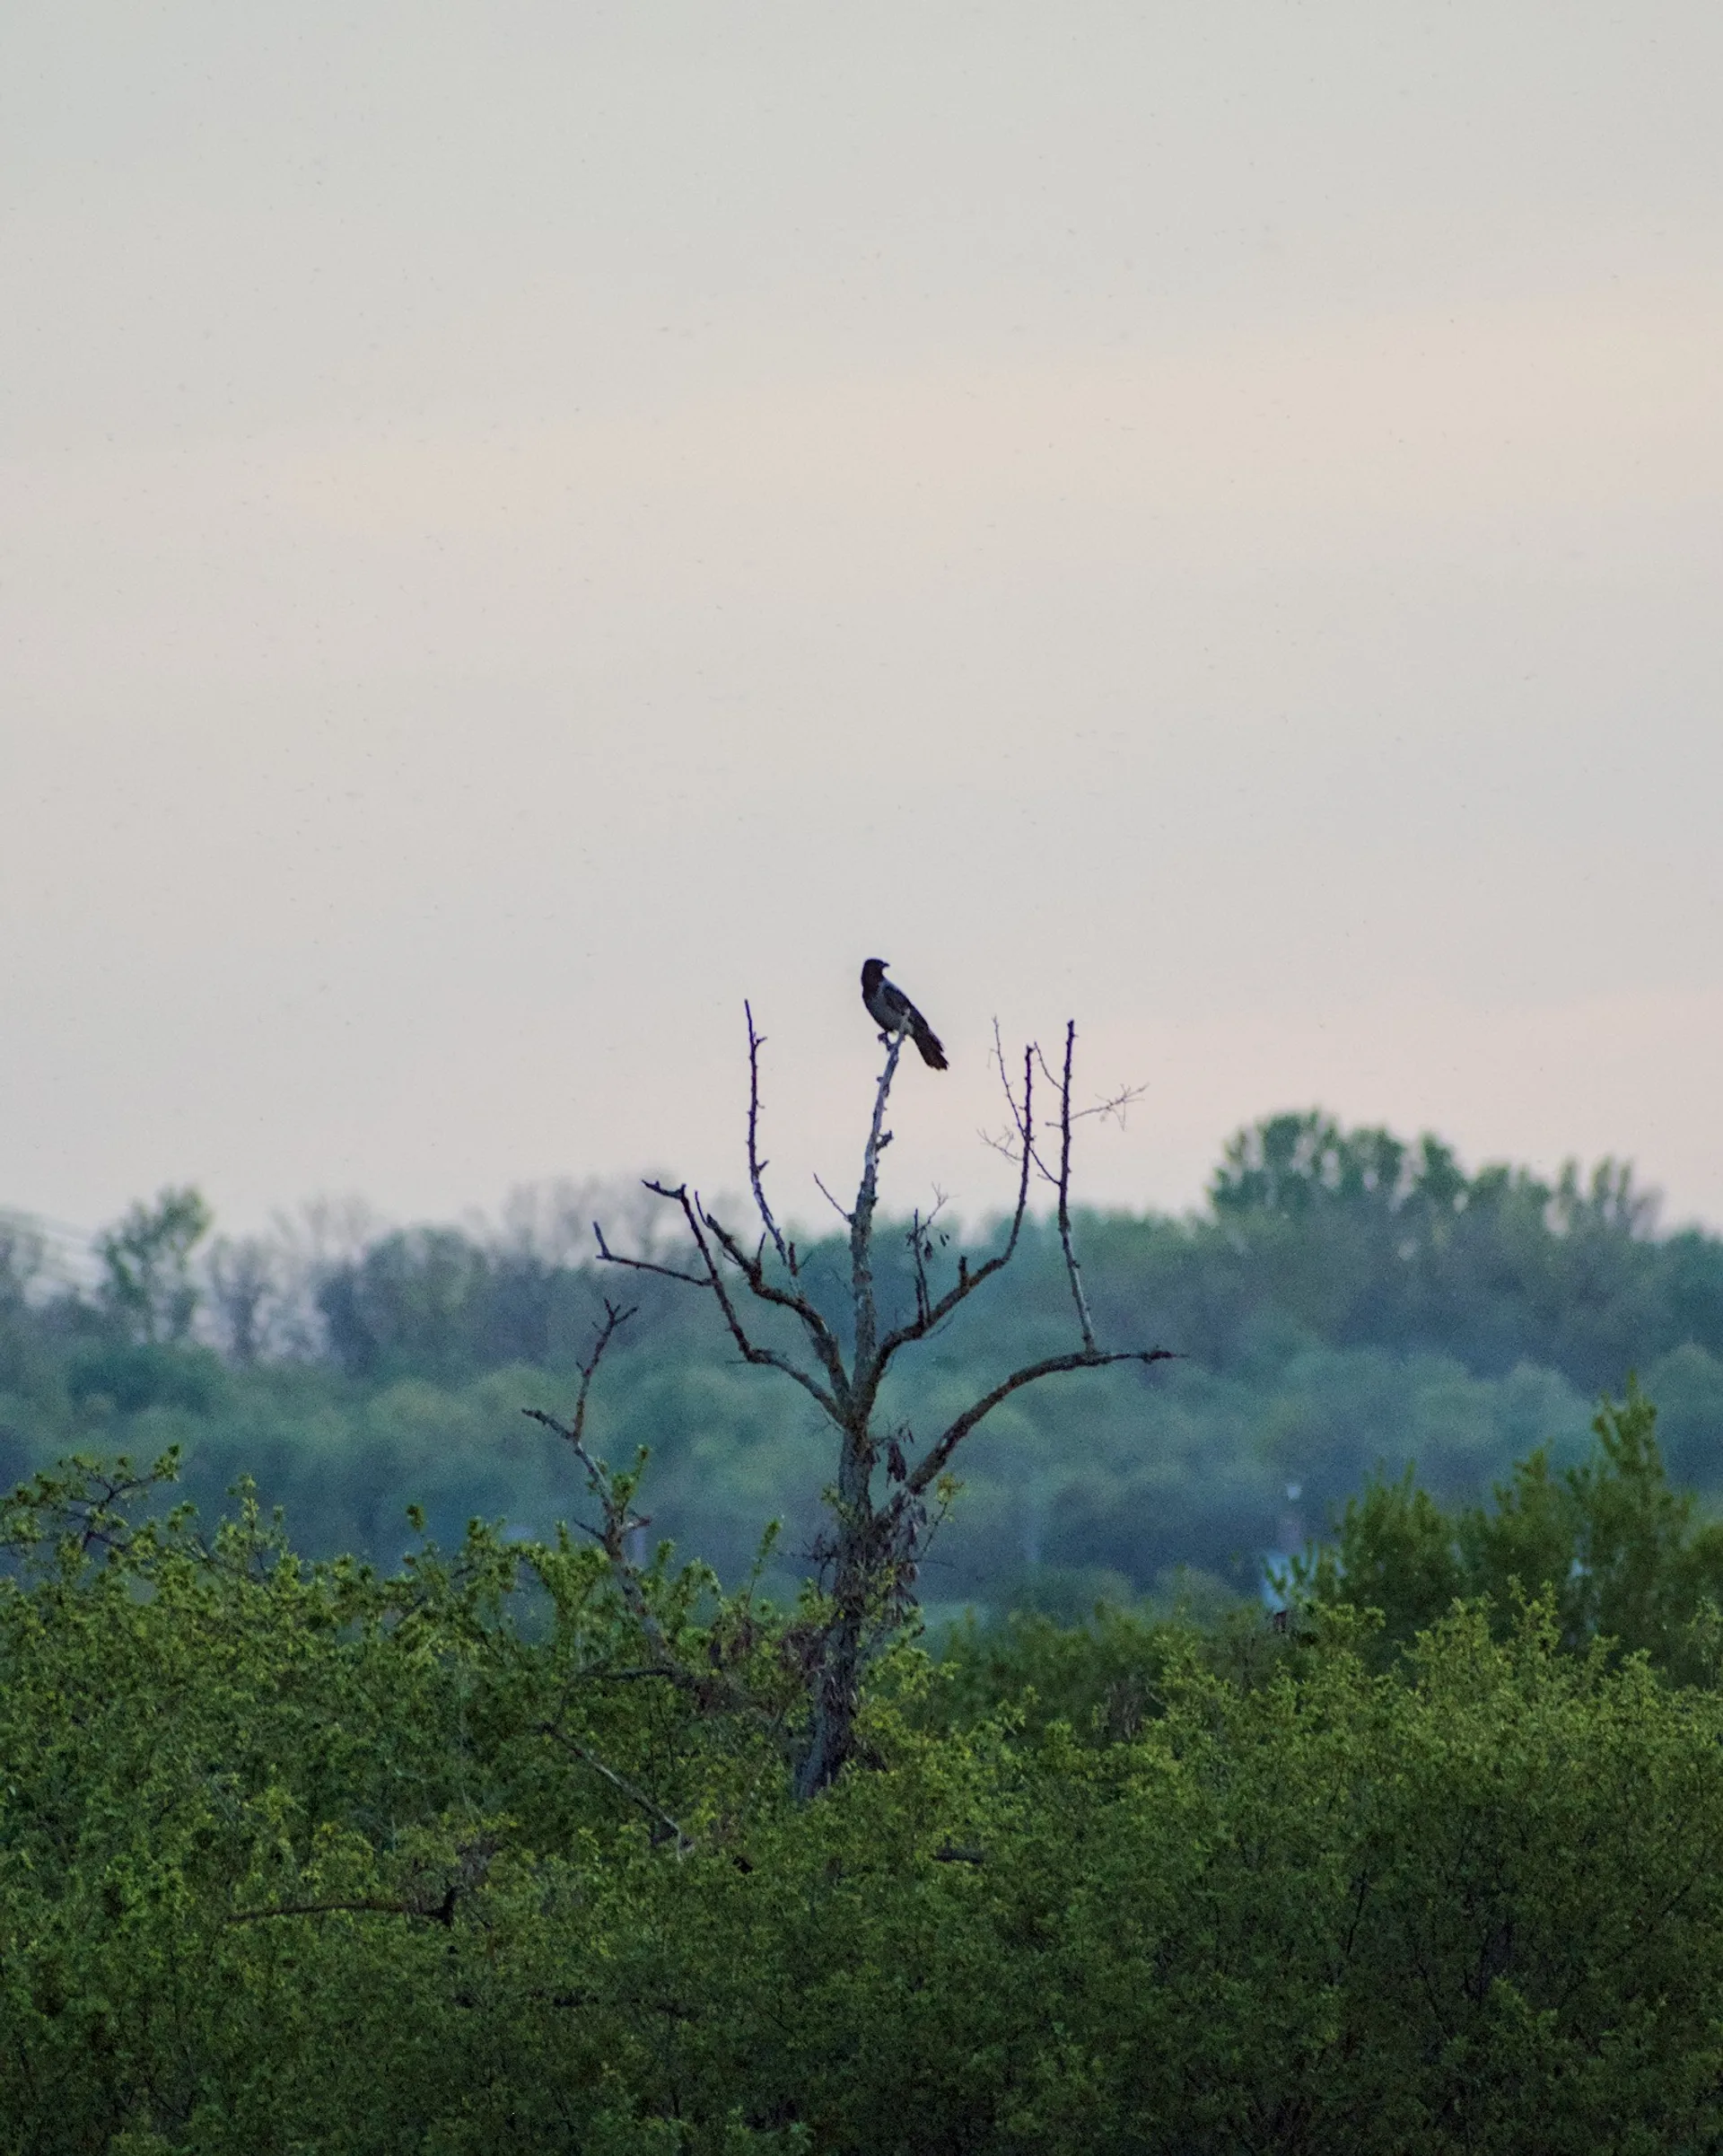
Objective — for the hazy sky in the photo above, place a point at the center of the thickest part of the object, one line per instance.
(521, 525)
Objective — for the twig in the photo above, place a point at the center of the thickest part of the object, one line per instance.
(364, 1905)
(645, 1264)
(1115, 1105)
(920, 1239)
(1048, 1367)
(619, 1520)
(918, 1253)
(475, 1860)
(831, 1201)
(1019, 1142)
(615, 1319)
(1073, 1272)
(683, 1841)
(699, 1223)
(756, 1167)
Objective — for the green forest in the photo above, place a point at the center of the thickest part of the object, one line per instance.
(1310, 1742)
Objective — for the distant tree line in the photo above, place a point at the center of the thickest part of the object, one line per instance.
(1355, 1237)
(1346, 1298)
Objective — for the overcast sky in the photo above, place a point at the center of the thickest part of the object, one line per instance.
(522, 525)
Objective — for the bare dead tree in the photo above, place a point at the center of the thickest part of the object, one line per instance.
(889, 1490)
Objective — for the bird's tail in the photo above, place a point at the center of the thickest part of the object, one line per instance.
(928, 1041)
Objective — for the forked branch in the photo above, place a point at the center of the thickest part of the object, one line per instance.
(935, 1312)
(573, 1433)
(704, 1231)
(614, 1495)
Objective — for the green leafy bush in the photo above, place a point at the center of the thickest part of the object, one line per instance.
(298, 1856)
(1620, 1556)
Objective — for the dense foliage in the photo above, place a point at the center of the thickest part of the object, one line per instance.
(1623, 1556)
(298, 1856)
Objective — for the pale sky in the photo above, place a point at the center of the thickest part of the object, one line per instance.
(522, 525)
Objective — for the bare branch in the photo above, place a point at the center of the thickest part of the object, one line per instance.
(756, 1167)
(821, 1337)
(474, 1859)
(867, 1195)
(620, 1782)
(926, 1470)
(967, 1282)
(619, 1520)
(831, 1201)
(753, 1268)
(365, 1906)
(1073, 1272)
(698, 1222)
(1115, 1105)
(615, 1319)
(645, 1264)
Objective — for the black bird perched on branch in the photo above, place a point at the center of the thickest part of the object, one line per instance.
(893, 1012)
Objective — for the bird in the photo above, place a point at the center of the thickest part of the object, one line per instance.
(893, 1012)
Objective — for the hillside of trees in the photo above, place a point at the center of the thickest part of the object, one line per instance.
(1347, 1301)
